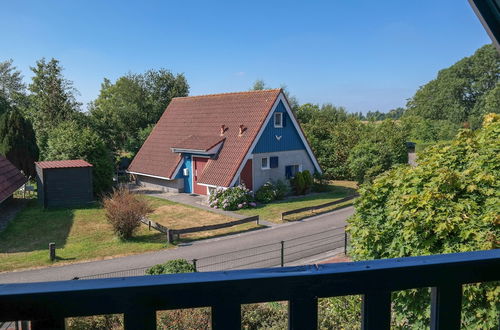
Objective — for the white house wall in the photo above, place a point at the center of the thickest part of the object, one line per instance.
(176, 185)
(285, 158)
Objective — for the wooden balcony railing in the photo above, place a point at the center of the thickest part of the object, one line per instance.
(138, 298)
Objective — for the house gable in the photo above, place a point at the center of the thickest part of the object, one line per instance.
(274, 139)
(292, 121)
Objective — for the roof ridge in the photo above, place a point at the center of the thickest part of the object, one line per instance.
(231, 93)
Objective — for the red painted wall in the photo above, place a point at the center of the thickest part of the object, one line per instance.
(246, 175)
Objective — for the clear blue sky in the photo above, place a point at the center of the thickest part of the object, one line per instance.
(361, 54)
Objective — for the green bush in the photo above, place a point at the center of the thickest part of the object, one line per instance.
(233, 198)
(448, 203)
(269, 316)
(270, 191)
(70, 141)
(308, 179)
(302, 182)
(96, 322)
(175, 266)
(185, 319)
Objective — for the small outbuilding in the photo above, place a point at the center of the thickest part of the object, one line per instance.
(64, 183)
(11, 179)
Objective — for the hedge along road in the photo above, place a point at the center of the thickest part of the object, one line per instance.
(194, 250)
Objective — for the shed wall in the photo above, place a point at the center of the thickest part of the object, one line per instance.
(65, 187)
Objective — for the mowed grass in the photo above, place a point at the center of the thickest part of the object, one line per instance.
(173, 215)
(84, 233)
(335, 190)
(80, 234)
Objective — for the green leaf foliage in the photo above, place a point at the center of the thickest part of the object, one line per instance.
(174, 266)
(12, 88)
(51, 101)
(457, 92)
(18, 142)
(71, 141)
(449, 203)
(133, 103)
(382, 146)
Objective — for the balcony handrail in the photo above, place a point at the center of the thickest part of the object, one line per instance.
(139, 297)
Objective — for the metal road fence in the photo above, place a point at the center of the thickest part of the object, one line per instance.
(268, 255)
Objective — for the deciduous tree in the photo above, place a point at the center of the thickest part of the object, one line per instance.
(72, 141)
(453, 95)
(133, 103)
(448, 203)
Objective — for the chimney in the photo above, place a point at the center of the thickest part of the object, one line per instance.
(222, 129)
(242, 129)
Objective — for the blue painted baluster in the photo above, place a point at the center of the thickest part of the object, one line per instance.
(446, 306)
(226, 315)
(303, 313)
(376, 310)
(140, 317)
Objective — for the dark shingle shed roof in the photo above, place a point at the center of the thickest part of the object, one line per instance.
(11, 178)
(203, 116)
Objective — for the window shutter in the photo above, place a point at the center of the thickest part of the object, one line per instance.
(274, 162)
(283, 119)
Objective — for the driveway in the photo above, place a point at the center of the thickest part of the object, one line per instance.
(195, 250)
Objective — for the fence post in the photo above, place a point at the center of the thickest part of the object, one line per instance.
(194, 265)
(282, 253)
(149, 224)
(345, 240)
(52, 251)
(169, 237)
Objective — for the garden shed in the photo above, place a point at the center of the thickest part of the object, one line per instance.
(64, 183)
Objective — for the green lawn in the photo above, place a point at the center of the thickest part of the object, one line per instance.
(335, 191)
(84, 234)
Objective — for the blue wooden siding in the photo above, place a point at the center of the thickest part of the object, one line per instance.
(188, 180)
(290, 139)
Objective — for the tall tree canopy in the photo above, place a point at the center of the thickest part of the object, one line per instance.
(448, 203)
(18, 142)
(456, 94)
(51, 100)
(12, 88)
(380, 147)
(260, 84)
(69, 140)
(133, 103)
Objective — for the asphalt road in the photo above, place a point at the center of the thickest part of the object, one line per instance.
(198, 250)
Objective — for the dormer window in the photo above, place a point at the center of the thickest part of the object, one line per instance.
(278, 119)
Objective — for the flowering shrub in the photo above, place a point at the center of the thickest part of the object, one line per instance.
(271, 191)
(233, 198)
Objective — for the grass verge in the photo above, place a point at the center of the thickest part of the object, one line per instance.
(84, 233)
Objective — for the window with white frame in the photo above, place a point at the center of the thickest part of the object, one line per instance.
(278, 119)
(264, 163)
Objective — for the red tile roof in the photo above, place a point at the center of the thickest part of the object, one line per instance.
(11, 178)
(63, 164)
(203, 116)
(199, 142)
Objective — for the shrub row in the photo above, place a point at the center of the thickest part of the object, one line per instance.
(240, 197)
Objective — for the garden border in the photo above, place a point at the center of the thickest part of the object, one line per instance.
(173, 234)
(320, 206)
